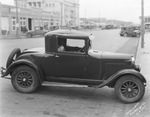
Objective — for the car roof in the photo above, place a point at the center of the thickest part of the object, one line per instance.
(68, 33)
(129, 26)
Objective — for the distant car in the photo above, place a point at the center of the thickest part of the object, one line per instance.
(107, 27)
(38, 31)
(133, 31)
(68, 57)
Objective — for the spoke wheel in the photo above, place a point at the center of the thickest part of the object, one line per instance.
(129, 89)
(24, 79)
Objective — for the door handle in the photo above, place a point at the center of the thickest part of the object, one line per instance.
(56, 56)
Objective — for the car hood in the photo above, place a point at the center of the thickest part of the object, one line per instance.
(108, 55)
(137, 31)
(35, 50)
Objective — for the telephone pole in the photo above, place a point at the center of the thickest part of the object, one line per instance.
(142, 24)
(17, 20)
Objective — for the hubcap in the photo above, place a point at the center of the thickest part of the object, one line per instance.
(24, 79)
(129, 89)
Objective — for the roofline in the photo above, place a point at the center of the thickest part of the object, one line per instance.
(68, 34)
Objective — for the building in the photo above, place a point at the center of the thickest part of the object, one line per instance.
(0, 20)
(48, 14)
(147, 22)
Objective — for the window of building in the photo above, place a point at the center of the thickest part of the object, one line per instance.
(40, 23)
(34, 4)
(13, 23)
(39, 3)
(149, 19)
(46, 25)
(22, 21)
(30, 4)
(36, 23)
(53, 4)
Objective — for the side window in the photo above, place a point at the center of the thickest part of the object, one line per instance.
(75, 43)
(71, 45)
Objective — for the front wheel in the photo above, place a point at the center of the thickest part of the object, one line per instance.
(24, 79)
(29, 35)
(129, 89)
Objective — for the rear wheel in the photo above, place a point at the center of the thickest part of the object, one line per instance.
(24, 79)
(138, 35)
(129, 89)
(125, 35)
(29, 35)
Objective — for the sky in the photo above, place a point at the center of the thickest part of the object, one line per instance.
(125, 10)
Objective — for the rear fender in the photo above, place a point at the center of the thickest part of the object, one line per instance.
(112, 79)
(25, 62)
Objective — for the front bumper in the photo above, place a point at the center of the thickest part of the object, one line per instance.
(3, 70)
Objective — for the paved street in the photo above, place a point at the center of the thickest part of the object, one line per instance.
(63, 101)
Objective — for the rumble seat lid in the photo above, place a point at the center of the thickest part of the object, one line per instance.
(108, 55)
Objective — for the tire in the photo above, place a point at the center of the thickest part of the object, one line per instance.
(125, 34)
(13, 55)
(29, 35)
(138, 35)
(44, 34)
(129, 89)
(24, 79)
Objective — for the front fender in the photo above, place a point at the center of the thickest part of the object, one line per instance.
(112, 79)
(24, 62)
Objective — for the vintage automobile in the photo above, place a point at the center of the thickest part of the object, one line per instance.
(38, 31)
(69, 58)
(133, 31)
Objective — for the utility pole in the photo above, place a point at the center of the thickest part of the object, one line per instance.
(142, 24)
(85, 16)
(99, 20)
(17, 20)
(61, 14)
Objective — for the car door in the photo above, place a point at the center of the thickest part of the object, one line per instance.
(70, 64)
(38, 31)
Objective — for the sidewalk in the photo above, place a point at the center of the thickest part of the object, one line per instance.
(3, 37)
(143, 56)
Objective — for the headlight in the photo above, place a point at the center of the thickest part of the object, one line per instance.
(132, 60)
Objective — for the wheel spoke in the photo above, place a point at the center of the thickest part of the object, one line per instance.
(129, 89)
(24, 79)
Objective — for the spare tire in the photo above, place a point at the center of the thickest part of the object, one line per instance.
(13, 55)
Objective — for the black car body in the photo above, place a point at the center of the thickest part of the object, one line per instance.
(37, 31)
(68, 58)
(133, 31)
